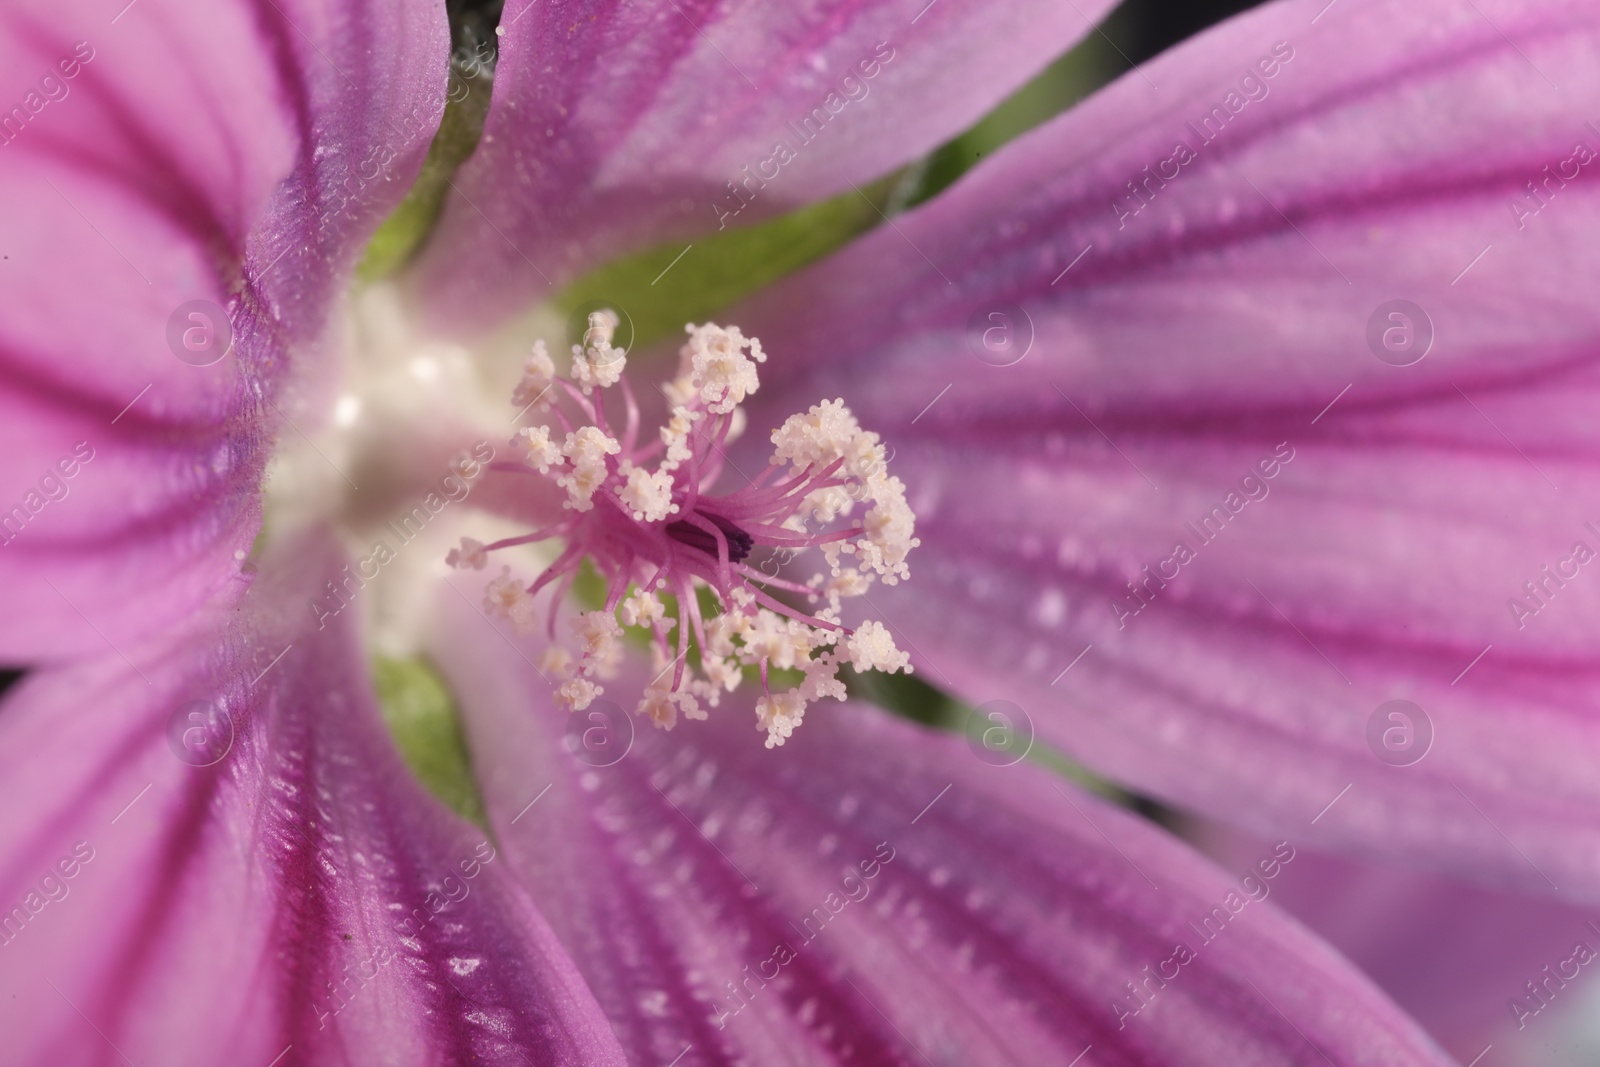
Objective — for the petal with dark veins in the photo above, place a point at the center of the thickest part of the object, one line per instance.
(614, 127)
(871, 892)
(1230, 319)
(301, 897)
(236, 153)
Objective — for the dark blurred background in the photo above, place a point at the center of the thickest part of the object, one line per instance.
(1134, 32)
(1144, 27)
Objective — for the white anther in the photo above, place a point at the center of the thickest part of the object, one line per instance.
(872, 648)
(596, 363)
(675, 435)
(597, 633)
(779, 714)
(532, 445)
(817, 437)
(643, 608)
(556, 662)
(647, 496)
(470, 556)
(576, 694)
(586, 448)
(507, 597)
(538, 374)
(723, 374)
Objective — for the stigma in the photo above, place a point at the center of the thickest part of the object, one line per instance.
(696, 575)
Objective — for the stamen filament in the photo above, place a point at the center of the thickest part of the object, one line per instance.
(653, 530)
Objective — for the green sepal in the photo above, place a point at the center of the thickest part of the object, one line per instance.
(402, 234)
(668, 285)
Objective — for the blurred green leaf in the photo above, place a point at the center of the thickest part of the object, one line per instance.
(912, 697)
(403, 232)
(473, 52)
(422, 717)
(1079, 72)
(666, 286)
(588, 587)
(662, 291)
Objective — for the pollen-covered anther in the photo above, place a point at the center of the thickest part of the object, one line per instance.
(647, 496)
(586, 449)
(779, 714)
(557, 662)
(722, 372)
(538, 375)
(661, 706)
(470, 556)
(577, 693)
(506, 597)
(597, 633)
(596, 363)
(817, 437)
(872, 649)
(722, 676)
(849, 582)
(642, 609)
(700, 572)
(532, 445)
(675, 435)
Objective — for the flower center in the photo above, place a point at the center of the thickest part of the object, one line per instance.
(645, 515)
(382, 446)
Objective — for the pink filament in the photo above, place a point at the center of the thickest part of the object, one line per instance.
(625, 550)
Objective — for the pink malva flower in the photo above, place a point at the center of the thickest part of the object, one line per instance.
(1197, 425)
